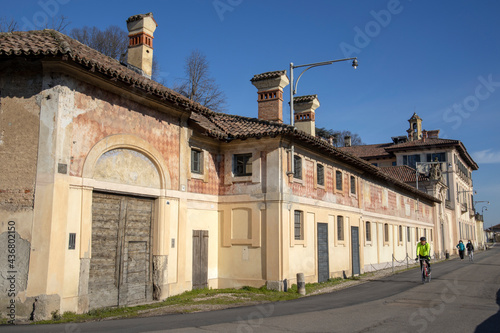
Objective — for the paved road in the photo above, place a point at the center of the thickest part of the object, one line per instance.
(462, 297)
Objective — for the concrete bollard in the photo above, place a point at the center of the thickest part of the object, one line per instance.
(301, 284)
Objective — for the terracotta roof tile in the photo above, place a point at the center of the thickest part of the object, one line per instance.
(304, 99)
(221, 126)
(370, 151)
(403, 173)
(268, 75)
(53, 43)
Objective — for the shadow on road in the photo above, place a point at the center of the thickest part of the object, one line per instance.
(491, 324)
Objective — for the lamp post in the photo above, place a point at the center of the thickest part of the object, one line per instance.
(293, 88)
(482, 211)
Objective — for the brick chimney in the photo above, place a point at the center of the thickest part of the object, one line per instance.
(270, 91)
(347, 141)
(304, 107)
(140, 49)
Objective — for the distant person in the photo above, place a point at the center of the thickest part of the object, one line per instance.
(470, 250)
(461, 249)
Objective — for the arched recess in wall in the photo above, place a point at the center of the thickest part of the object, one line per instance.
(136, 152)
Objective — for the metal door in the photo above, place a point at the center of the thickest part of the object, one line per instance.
(323, 267)
(120, 264)
(200, 259)
(355, 250)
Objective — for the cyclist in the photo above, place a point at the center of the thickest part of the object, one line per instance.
(470, 250)
(423, 251)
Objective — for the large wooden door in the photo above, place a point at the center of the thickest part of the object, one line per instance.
(120, 265)
(200, 259)
(323, 267)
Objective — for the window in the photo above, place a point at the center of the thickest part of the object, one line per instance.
(242, 165)
(400, 233)
(441, 157)
(297, 164)
(298, 225)
(320, 170)
(353, 185)
(340, 227)
(375, 164)
(431, 235)
(196, 161)
(338, 180)
(411, 160)
(394, 163)
(386, 232)
(416, 234)
(425, 233)
(368, 232)
(408, 234)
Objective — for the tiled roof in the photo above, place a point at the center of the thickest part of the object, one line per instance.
(221, 126)
(435, 143)
(268, 75)
(55, 44)
(403, 173)
(369, 151)
(304, 99)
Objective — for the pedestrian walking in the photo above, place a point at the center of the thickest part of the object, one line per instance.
(470, 250)
(461, 249)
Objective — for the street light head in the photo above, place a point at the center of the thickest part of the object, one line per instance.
(355, 63)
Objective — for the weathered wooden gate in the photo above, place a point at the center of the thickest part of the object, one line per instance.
(120, 264)
(200, 259)
(323, 266)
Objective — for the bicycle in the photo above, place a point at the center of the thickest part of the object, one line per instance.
(426, 274)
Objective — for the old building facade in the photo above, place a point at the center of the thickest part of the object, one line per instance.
(121, 192)
(446, 168)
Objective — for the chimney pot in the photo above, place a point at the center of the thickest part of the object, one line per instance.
(270, 94)
(304, 113)
(140, 49)
(347, 141)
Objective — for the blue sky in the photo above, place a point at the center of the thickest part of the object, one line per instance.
(439, 59)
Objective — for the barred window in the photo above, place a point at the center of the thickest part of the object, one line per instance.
(368, 232)
(386, 232)
(299, 225)
(353, 185)
(340, 227)
(297, 164)
(338, 180)
(320, 170)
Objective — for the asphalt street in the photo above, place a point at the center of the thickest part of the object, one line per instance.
(462, 297)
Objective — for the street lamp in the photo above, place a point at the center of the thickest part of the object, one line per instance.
(465, 191)
(293, 88)
(475, 202)
(482, 211)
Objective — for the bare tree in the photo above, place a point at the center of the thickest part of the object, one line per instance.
(112, 42)
(198, 85)
(8, 25)
(59, 23)
(339, 136)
